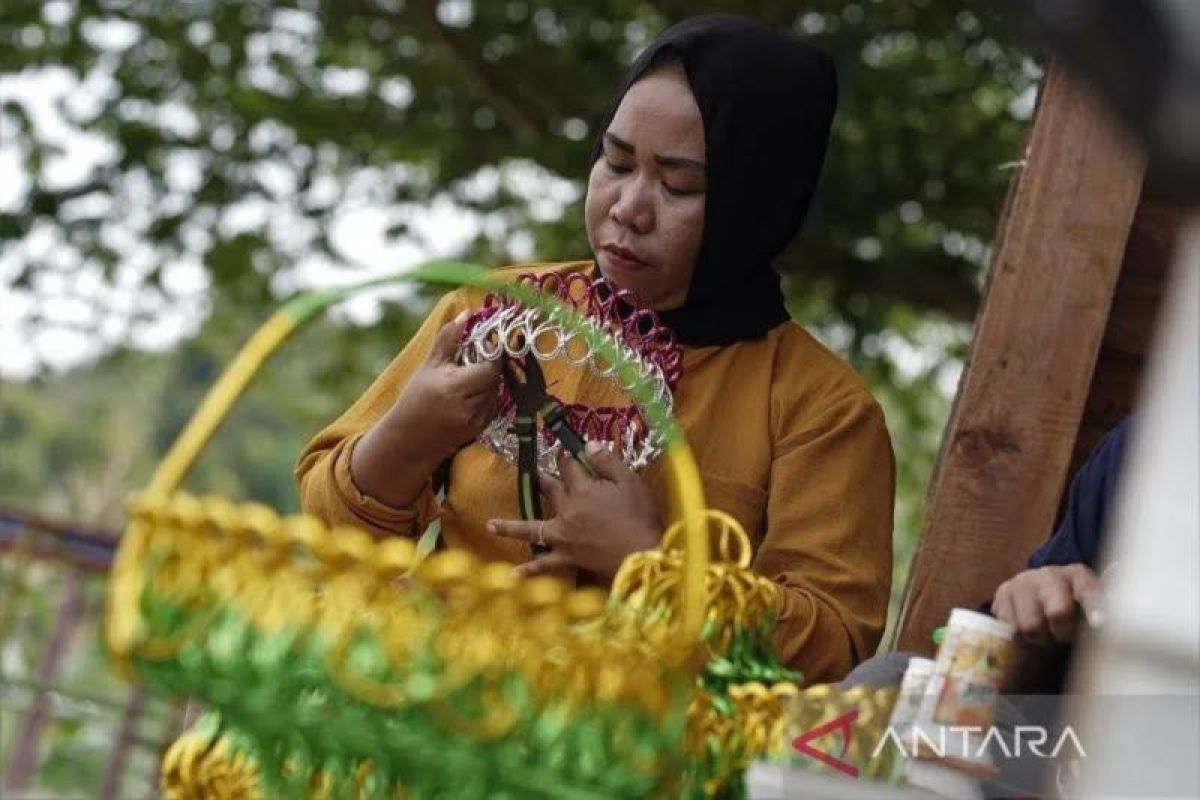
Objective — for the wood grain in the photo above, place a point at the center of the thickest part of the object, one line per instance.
(1117, 378)
(1011, 434)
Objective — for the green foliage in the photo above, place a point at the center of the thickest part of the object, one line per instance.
(76, 444)
(286, 103)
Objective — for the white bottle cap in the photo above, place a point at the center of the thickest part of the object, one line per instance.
(974, 620)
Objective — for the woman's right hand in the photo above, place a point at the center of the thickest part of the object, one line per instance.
(444, 406)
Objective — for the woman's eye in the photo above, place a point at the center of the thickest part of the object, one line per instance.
(671, 190)
(619, 169)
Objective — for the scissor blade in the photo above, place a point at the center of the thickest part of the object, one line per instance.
(528, 401)
(535, 381)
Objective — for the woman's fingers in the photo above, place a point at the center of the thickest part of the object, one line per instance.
(573, 474)
(554, 561)
(482, 408)
(445, 343)
(552, 488)
(606, 463)
(474, 379)
(542, 531)
(537, 530)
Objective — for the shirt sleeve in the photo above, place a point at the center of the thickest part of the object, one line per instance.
(1079, 535)
(327, 488)
(828, 539)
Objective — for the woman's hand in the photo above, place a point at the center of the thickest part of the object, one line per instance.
(597, 521)
(444, 405)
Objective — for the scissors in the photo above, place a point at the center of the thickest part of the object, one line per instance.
(527, 386)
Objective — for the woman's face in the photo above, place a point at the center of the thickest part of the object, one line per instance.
(644, 210)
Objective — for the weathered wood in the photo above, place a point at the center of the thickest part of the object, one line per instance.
(1117, 379)
(1011, 434)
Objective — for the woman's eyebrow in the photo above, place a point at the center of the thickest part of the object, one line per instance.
(618, 142)
(671, 162)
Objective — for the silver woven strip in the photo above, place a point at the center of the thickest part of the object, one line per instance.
(514, 330)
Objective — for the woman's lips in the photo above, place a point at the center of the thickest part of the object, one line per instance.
(624, 259)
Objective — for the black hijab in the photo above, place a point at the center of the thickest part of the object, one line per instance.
(767, 101)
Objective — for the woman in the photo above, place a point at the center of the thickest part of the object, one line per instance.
(702, 173)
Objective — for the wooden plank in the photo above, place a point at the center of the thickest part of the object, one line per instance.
(1011, 433)
(1117, 378)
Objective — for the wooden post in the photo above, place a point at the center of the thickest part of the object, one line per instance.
(1006, 450)
(1117, 378)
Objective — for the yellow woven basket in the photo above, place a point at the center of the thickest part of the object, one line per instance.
(331, 659)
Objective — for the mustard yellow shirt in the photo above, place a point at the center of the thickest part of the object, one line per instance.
(788, 440)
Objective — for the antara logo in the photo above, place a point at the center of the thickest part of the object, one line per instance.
(1023, 740)
(977, 742)
(803, 743)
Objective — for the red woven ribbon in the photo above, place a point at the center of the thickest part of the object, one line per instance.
(616, 310)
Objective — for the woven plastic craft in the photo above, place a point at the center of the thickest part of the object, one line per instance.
(505, 327)
(332, 664)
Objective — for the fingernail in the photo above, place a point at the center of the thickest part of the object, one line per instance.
(491, 526)
(593, 448)
(462, 315)
(1095, 618)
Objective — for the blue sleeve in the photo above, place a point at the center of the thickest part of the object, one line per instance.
(1079, 535)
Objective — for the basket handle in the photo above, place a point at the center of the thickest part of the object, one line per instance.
(686, 491)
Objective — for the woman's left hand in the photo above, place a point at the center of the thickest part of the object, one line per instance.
(597, 521)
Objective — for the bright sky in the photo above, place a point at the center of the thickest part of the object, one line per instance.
(84, 314)
(73, 300)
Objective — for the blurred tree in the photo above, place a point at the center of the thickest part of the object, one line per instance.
(75, 445)
(228, 137)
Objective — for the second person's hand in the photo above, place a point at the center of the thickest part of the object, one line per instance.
(1044, 604)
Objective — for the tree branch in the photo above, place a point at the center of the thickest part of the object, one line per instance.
(482, 75)
(925, 284)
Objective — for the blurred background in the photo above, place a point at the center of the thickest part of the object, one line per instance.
(169, 171)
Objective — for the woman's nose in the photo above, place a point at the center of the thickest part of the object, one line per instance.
(634, 208)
